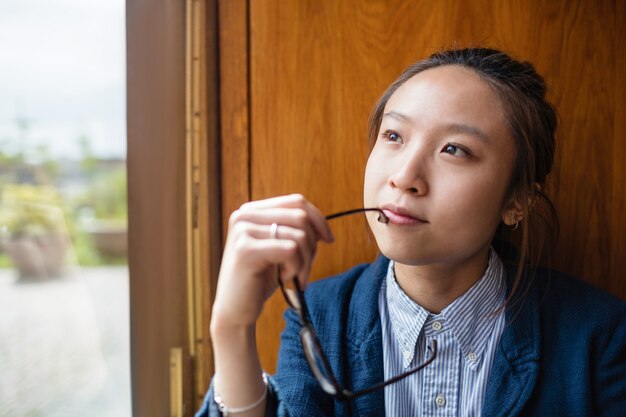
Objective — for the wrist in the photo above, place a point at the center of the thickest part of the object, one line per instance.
(227, 315)
(230, 332)
(225, 410)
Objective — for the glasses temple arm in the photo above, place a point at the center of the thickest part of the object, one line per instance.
(348, 395)
(381, 218)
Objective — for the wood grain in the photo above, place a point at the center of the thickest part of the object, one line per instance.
(317, 67)
(234, 117)
(585, 99)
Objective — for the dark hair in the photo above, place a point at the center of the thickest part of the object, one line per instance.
(532, 122)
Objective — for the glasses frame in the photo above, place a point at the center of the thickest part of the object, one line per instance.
(312, 346)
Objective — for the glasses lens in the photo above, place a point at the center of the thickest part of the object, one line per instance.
(317, 361)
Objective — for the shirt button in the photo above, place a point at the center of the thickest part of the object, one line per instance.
(472, 356)
(440, 400)
(407, 355)
(437, 325)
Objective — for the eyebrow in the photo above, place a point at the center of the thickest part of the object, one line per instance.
(398, 116)
(452, 127)
(468, 130)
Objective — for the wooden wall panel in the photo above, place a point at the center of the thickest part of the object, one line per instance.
(584, 85)
(234, 128)
(317, 67)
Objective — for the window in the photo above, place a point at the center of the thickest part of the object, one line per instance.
(64, 309)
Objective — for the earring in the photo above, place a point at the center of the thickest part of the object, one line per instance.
(516, 224)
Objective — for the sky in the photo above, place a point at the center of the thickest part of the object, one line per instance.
(62, 71)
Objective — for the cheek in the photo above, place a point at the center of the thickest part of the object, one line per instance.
(478, 201)
(374, 177)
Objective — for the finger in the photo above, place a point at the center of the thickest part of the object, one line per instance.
(282, 252)
(242, 226)
(263, 231)
(293, 217)
(290, 200)
(253, 247)
(307, 244)
(294, 201)
(241, 240)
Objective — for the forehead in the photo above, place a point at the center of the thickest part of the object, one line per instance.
(447, 95)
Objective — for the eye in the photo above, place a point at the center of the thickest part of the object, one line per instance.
(456, 150)
(391, 136)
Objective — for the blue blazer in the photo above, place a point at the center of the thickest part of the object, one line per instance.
(562, 352)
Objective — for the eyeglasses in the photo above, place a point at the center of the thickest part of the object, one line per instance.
(310, 342)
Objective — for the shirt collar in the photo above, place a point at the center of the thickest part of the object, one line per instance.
(471, 317)
(406, 316)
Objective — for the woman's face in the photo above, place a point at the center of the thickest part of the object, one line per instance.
(440, 168)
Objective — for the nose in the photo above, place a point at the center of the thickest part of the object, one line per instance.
(410, 176)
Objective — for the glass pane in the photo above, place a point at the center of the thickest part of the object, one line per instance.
(64, 313)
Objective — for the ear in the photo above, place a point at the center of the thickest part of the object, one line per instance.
(516, 210)
(513, 211)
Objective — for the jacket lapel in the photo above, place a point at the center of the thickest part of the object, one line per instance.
(514, 371)
(364, 355)
(516, 363)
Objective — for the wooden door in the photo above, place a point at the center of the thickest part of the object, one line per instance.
(299, 78)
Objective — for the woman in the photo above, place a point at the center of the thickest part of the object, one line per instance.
(462, 144)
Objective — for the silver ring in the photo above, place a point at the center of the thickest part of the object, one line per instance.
(274, 231)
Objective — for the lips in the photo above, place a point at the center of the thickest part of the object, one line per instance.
(400, 216)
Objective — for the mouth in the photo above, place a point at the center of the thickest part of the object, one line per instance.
(400, 216)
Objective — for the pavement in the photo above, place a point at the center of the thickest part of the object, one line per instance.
(65, 345)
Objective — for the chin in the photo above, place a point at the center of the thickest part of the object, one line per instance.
(404, 258)
(407, 254)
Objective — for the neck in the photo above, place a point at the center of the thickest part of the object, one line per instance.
(435, 286)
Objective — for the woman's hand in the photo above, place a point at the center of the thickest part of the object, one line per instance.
(247, 274)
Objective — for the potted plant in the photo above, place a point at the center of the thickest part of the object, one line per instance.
(34, 233)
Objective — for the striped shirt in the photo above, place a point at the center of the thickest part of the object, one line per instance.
(467, 333)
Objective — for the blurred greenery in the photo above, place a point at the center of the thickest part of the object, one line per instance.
(106, 196)
(88, 162)
(5, 262)
(29, 210)
(35, 197)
